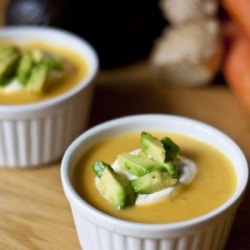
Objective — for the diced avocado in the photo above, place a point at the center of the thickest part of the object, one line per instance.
(113, 186)
(9, 57)
(99, 167)
(137, 165)
(37, 79)
(171, 168)
(54, 62)
(31, 68)
(152, 147)
(171, 148)
(152, 182)
(5, 79)
(24, 67)
(37, 55)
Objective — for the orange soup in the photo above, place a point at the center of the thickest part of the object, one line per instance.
(64, 84)
(214, 183)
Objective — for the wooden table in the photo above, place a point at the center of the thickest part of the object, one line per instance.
(34, 213)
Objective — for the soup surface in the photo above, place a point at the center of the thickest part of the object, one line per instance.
(64, 84)
(214, 183)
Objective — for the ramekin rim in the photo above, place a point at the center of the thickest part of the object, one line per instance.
(62, 97)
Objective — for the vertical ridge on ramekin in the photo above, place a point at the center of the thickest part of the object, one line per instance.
(2, 145)
(36, 130)
(48, 133)
(23, 141)
(119, 242)
(9, 133)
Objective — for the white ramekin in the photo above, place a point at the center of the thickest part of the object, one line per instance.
(99, 231)
(37, 134)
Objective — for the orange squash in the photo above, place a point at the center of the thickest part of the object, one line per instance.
(239, 10)
(236, 68)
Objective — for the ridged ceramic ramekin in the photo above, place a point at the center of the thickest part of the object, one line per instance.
(37, 134)
(99, 231)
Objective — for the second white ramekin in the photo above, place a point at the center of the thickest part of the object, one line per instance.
(37, 134)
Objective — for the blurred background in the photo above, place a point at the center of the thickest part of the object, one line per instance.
(169, 33)
(121, 32)
(189, 43)
(183, 43)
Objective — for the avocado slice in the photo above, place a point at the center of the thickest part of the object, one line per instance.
(37, 79)
(172, 169)
(24, 67)
(99, 167)
(137, 165)
(54, 62)
(9, 57)
(152, 182)
(5, 79)
(113, 186)
(171, 148)
(153, 147)
(37, 55)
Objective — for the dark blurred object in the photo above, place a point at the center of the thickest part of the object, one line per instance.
(121, 32)
(38, 12)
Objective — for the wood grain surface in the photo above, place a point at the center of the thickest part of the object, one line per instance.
(34, 213)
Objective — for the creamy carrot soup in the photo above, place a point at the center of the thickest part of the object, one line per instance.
(78, 70)
(213, 184)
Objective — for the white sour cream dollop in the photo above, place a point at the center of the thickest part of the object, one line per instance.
(13, 86)
(188, 171)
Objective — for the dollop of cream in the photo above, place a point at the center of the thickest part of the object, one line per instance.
(188, 170)
(13, 86)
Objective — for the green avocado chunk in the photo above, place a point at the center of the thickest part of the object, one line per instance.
(32, 68)
(137, 165)
(114, 186)
(37, 79)
(171, 148)
(54, 62)
(99, 167)
(24, 67)
(172, 169)
(155, 168)
(152, 182)
(153, 147)
(9, 57)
